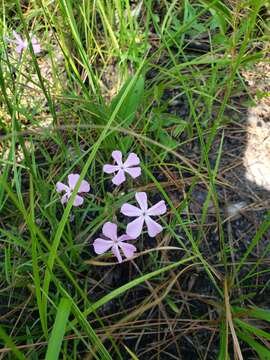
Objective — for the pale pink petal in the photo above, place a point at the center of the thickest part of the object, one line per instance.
(101, 245)
(72, 180)
(153, 227)
(84, 187)
(128, 249)
(36, 45)
(34, 40)
(130, 210)
(61, 187)
(78, 200)
(141, 197)
(18, 37)
(109, 229)
(124, 238)
(36, 48)
(109, 169)
(19, 49)
(119, 178)
(117, 156)
(134, 172)
(132, 160)
(64, 199)
(134, 228)
(158, 209)
(116, 252)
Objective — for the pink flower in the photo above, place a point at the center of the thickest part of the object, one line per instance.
(143, 214)
(23, 44)
(36, 45)
(129, 166)
(72, 181)
(115, 243)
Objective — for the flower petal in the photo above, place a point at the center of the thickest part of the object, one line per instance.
(36, 48)
(157, 209)
(130, 210)
(124, 237)
(78, 200)
(61, 187)
(84, 187)
(19, 49)
(101, 245)
(64, 199)
(36, 45)
(117, 156)
(132, 160)
(141, 197)
(109, 229)
(119, 178)
(34, 40)
(116, 252)
(128, 249)
(152, 226)
(18, 37)
(134, 172)
(72, 180)
(109, 169)
(134, 228)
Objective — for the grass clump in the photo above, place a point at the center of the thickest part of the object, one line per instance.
(165, 81)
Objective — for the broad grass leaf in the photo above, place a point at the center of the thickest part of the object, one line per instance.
(127, 111)
(252, 329)
(258, 313)
(262, 351)
(58, 330)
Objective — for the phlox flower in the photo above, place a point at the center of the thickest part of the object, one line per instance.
(129, 166)
(23, 44)
(114, 242)
(68, 189)
(143, 214)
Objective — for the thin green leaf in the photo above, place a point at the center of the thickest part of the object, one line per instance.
(122, 289)
(258, 313)
(58, 330)
(263, 353)
(128, 109)
(10, 344)
(252, 329)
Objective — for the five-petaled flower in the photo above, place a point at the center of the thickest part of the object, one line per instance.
(72, 181)
(23, 44)
(129, 166)
(114, 242)
(143, 214)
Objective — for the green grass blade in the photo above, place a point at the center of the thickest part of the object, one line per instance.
(122, 289)
(127, 111)
(219, 7)
(131, 353)
(10, 344)
(58, 330)
(252, 329)
(262, 229)
(223, 347)
(262, 351)
(258, 313)
(84, 323)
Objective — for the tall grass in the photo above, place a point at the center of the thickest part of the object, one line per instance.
(158, 79)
